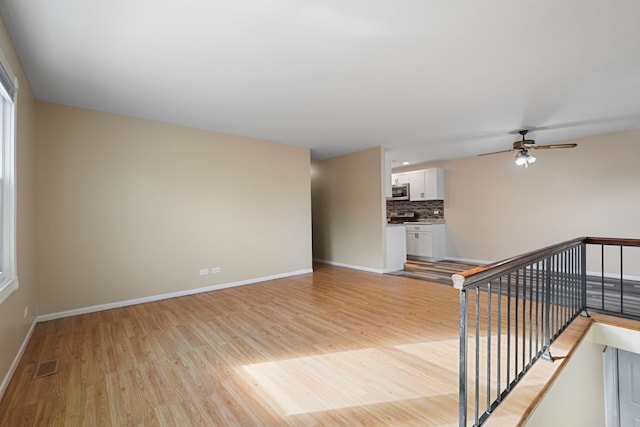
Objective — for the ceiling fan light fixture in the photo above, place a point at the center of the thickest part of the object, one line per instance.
(523, 158)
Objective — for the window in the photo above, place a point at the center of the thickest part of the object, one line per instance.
(8, 98)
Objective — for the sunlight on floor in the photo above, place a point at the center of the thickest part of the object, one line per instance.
(344, 379)
(440, 354)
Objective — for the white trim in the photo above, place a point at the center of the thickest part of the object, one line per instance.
(7, 68)
(611, 390)
(9, 275)
(8, 288)
(101, 307)
(354, 267)
(16, 360)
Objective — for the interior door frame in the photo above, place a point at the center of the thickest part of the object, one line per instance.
(611, 387)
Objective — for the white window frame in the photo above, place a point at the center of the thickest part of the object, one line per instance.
(9, 273)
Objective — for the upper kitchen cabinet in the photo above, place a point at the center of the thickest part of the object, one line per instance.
(401, 178)
(425, 184)
(433, 184)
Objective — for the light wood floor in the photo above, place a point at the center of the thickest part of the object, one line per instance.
(332, 348)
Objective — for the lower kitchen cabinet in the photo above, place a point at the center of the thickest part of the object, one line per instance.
(426, 241)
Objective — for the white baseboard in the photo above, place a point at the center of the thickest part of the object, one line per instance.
(16, 360)
(101, 307)
(354, 267)
(613, 276)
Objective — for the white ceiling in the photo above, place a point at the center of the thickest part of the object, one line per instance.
(428, 80)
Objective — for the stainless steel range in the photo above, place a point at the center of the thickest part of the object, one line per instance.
(400, 217)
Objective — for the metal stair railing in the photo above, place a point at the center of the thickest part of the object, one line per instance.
(513, 310)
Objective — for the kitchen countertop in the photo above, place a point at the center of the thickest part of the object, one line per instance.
(395, 225)
(425, 222)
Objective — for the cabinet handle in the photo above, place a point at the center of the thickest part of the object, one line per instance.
(422, 195)
(416, 235)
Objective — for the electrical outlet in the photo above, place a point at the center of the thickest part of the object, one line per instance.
(204, 271)
(26, 312)
(215, 270)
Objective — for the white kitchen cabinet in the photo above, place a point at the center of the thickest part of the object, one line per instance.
(396, 247)
(424, 184)
(400, 178)
(426, 241)
(420, 244)
(434, 184)
(387, 177)
(416, 186)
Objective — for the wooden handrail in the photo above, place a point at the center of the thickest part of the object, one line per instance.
(469, 277)
(612, 241)
(474, 275)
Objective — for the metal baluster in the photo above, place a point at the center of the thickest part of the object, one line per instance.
(524, 317)
(509, 332)
(489, 315)
(537, 306)
(568, 285)
(547, 311)
(553, 296)
(602, 272)
(570, 298)
(477, 395)
(554, 333)
(560, 297)
(583, 276)
(530, 313)
(515, 338)
(574, 270)
(499, 333)
(574, 294)
(580, 307)
(572, 279)
(462, 400)
(551, 300)
(565, 296)
(621, 283)
(559, 279)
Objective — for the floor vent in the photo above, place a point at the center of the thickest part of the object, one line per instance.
(46, 368)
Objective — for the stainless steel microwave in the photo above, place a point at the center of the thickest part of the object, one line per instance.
(399, 192)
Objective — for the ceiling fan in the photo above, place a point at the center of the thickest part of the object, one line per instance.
(522, 147)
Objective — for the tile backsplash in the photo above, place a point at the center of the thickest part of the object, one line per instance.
(423, 209)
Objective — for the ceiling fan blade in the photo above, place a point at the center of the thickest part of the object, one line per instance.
(554, 146)
(496, 152)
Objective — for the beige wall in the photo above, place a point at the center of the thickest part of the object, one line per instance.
(130, 208)
(349, 209)
(13, 326)
(495, 209)
(576, 397)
